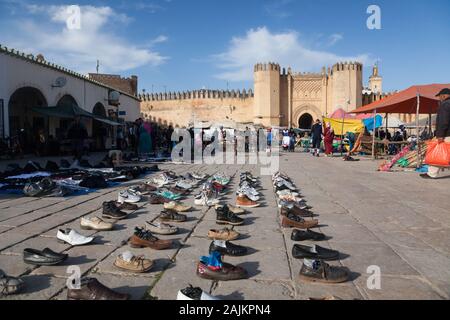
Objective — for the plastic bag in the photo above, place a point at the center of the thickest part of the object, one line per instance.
(438, 154)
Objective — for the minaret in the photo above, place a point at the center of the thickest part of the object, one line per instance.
(376, 81)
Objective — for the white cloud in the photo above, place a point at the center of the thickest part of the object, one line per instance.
(335, 38)
(285, 48)
(80, 49)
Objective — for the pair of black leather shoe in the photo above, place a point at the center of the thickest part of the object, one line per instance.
(45, 257)
(303, 235)
(315, 252)
(227, 248)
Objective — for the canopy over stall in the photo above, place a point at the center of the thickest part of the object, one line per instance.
(406, 101)
(71, 111)
(342, 114)
(420, 99)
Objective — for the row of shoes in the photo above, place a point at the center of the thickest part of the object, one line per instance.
(213, 190)
(247, 195)
(297, 214)
(212, 267)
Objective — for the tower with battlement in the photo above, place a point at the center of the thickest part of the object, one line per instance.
(266, 104)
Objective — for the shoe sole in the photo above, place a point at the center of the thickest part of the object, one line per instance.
(247, 206)
(173, 221)
(95, 229)
(136, 246)
(113, 218)
(74, 245)
(44, 263)
(230, 223)
(207, 277)
(221, 239)
(308, 279)
(134, 271)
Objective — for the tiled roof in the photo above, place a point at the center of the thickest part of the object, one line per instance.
(32, 59)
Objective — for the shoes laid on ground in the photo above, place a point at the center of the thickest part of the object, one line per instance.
(73, 238)
(128, 196)
(290, 204)
(127, 206)
(319, 271)
(129, 262)
(225, 216)
(227, 248)
(143, 238)
(296, 211)
(224, 234)
(178, 191)
(146, 188)
(204, 200)
(92, 289)
(285, 192)
(45, 257)
(245, 194)
(161, 228)
(314, 252)
(290, 198)
(168, 194)
(212, 268)
(191, 293)
(243, 201)
(199, 176)
(233, 209)
(301, 235)
(155, 199)
(10, 285)
(184, 185)
(172, 216)
(95, 223)
(176, 206)
(111, 211)
(294, 221)
(160, 180)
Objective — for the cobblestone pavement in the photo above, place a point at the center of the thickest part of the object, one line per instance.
(395, 221)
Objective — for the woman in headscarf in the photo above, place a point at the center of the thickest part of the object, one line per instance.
(328, 139)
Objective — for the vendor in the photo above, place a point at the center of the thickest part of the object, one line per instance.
(442, 128)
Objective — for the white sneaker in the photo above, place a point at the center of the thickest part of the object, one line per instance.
(198, 176)
(248, 195)
(196, 293)
(128, 196)
(287, 192)
(160, 180)
(204, 201)
(184, 185)
(73, 238)
(249, 190)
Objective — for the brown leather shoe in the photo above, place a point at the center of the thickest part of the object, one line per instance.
(92, 289)
(297, 211)
(127, 206)
(144, 239)
(293, 221)
(155, 199)
(224, 234)
(227, 272)
(244, 202)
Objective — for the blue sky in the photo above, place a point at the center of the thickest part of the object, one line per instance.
(191, 44)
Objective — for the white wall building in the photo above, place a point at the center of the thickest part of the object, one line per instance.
(27, 81)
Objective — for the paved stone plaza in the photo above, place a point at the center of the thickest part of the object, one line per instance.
(396, 221)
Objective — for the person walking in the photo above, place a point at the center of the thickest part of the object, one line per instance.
(442, 128)
(328, 139)
(316, 132)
